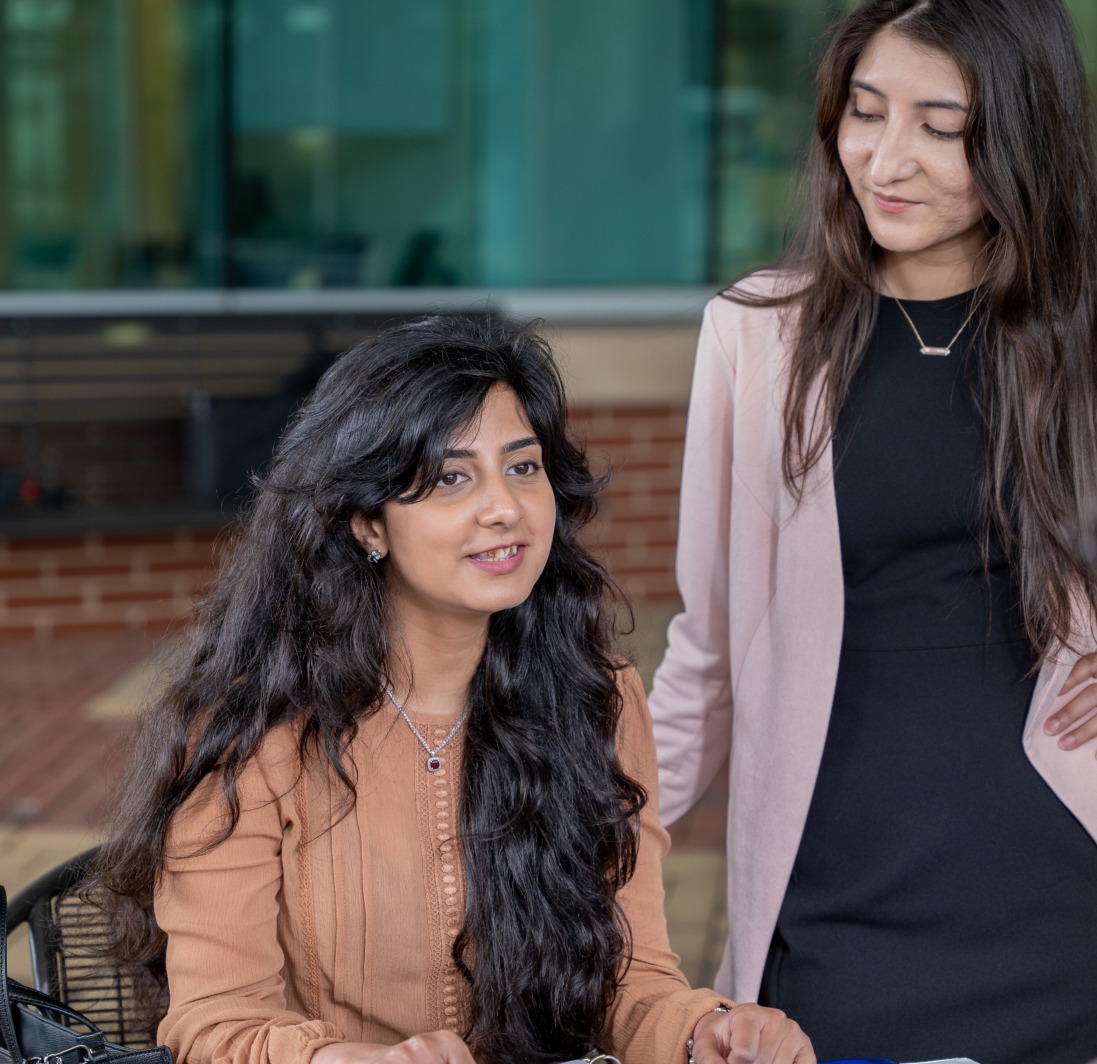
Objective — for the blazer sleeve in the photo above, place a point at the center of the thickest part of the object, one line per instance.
(655, 1010)
(219, 907)
(691, 699)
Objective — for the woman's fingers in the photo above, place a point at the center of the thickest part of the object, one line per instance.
(1085, 668)
(433, 1047)
(750, 1034)
(438, 1047)
(1076, 722)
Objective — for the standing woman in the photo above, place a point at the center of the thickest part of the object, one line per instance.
(394, 806)
(889, 482)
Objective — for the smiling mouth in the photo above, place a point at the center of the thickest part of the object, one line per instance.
(892, 202)
(501, 554)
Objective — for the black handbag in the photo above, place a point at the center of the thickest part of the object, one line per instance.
(37, 1029)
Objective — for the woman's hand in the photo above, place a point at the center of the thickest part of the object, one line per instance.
(750, 1034)
(1065, 722)
(434, 1047)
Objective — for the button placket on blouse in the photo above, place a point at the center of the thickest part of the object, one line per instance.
(450, 891)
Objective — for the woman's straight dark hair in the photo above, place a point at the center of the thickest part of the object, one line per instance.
(296, 629)
(1029, 144)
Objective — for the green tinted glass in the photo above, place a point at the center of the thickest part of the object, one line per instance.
(347, 143)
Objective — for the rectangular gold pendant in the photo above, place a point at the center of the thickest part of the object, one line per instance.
(937, 352)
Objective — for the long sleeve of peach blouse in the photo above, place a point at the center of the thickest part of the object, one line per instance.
(306, 926)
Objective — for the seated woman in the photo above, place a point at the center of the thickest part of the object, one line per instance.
(399, 802)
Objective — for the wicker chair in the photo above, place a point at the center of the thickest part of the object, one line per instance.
(65, 934)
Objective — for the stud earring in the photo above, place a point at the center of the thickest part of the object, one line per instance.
(374, 556)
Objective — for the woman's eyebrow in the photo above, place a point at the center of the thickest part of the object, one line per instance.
(946, 105)
(517, 445)
(507, 448)
(855, 84)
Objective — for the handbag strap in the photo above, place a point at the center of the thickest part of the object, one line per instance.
(20, 994)
(7, 1024)
(13, 993)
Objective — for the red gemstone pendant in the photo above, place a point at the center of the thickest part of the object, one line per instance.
(434, 764)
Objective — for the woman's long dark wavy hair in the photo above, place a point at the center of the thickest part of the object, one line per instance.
(296, 628)
(1030, 148)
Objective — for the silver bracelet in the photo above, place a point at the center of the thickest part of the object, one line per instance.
(689, 1041)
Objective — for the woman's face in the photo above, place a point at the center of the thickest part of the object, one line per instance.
(901, 144)
(479, 541)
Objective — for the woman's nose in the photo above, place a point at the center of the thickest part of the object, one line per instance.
(499, 505)
(892, 156)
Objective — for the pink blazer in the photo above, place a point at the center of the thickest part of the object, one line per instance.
(752, 660)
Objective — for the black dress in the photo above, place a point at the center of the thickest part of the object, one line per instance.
(943, 901)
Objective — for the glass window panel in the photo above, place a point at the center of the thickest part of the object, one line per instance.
(104, 142)
(354, 148)
(769, 50)
(597, 134)
(481, 142)
(305, 143)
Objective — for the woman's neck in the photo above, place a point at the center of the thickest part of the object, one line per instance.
(434, 664)
(912, 277)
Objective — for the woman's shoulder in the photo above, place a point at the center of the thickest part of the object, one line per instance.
(269, 774)
(634, 699)
(279, 756)
(763, 299)
(635, 738)
(763, 287)
(750, 324)
(266, 782)
(628, 678)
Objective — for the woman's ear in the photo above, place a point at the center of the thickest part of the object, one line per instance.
(370, 532)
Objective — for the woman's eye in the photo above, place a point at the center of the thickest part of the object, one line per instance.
(942, 134)
(450, 479)
(864, 116)
(525, 469)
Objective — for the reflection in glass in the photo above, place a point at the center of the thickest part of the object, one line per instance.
(364, 143)
(105, 128)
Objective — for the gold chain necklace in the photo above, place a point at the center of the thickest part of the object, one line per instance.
(938, 352)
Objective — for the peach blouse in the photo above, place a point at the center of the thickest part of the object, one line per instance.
(304, 928)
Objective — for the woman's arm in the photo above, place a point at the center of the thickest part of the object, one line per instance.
(655, 1012)
(227, 970)
(220, 911)
(435, 1047)
(691, 702)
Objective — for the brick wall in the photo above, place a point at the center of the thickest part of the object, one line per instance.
(131, 581)
(123, 463)
(637, 526)
(102, 583)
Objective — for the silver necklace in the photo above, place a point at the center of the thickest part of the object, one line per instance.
(926, 349)
(434, 762)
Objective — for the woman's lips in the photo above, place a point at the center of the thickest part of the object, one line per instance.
(890, 205)
(499, 560)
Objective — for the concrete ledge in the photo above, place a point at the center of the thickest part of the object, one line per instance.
(619, 304)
